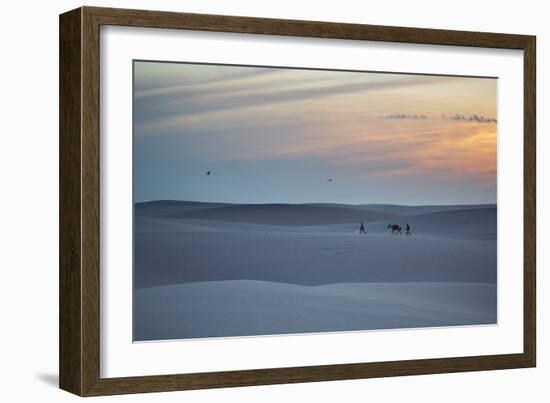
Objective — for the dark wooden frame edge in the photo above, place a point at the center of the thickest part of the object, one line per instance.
(79, 201)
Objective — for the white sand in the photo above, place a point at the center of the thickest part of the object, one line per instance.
(200, 277)
(247, 307)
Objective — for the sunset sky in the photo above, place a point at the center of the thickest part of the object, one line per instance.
(275, 135)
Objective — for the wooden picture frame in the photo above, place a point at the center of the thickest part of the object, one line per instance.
(79, 201)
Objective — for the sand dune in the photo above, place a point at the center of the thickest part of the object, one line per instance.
(289, 214)
(204, 261)
(284, 214)
(469, 224)
(455, 246)
(237, 308)
(170, 208)
(174, 253)
(398, 210)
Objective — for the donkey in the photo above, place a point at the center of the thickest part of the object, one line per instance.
(395, 229)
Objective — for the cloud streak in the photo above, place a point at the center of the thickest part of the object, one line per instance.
(457, 117)
(169, 106)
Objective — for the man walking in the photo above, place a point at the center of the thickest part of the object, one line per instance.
(408, 231)
(362, 229)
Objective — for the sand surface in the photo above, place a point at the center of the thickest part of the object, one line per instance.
(214, 269)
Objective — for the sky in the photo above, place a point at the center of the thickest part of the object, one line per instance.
(281, 135)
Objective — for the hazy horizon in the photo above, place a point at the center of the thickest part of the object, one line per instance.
(295, 136)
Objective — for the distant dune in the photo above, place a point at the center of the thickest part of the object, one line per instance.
(169, 208)
(285, 214)
(398, 210)
(291, 214)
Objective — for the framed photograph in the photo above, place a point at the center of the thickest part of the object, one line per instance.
(248, 201)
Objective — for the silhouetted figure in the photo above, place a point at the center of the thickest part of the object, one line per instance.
(408, 230)
(362, 229)
(329, 179)
(208, 173)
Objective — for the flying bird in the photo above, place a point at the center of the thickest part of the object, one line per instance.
(208, 173)
(329, 179)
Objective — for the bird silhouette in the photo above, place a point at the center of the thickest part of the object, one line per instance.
(208, 173)
(329, 179)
